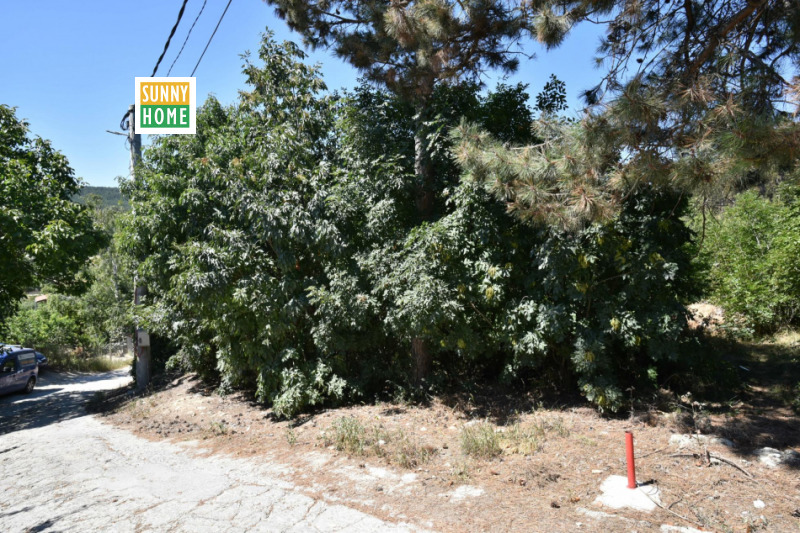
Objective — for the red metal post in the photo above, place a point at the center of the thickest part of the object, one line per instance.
(631, 466)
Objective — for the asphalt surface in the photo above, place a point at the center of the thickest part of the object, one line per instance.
(63, 470)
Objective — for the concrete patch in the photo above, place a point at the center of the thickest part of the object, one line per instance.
(617, 495)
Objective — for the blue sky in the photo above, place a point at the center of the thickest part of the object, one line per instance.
(69, 67)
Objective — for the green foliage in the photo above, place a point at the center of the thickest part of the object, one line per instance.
(230, 235)
(71, 330)
(553, 98)
(795, 399)
(283, 252)
(752, 252)
(411, 47)
(691, 94)
(46, 238)
(51, 327)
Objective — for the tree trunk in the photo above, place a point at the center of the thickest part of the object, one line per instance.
(422, 360)
(424, 199)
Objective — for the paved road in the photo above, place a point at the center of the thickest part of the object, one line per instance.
(62, 470)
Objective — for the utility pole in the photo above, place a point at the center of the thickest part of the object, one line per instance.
(141, 339)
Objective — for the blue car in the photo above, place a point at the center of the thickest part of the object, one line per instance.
(41, 359)
(18, 370)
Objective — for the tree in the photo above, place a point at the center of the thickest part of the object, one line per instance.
(45, 237)
(410, 47)
(698, 96)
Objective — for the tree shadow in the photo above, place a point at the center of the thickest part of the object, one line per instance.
(762, 416)
(58, 397)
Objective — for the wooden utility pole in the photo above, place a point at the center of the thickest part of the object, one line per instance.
(141, 339)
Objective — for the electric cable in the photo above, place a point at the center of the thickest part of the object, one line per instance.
(212, 36)
(187, 36)
(166, 45)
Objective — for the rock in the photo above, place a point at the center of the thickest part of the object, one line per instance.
(685, 440)
(774, 458)
(758, 504)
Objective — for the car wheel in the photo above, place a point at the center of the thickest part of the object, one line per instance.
(29, 386)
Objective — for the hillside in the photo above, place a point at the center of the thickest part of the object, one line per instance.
(110, 196)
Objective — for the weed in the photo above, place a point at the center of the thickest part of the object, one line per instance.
(480, 440)
(524, 440)
(351, 436)
(558, 427)
(219, 428)
(348, 435)
(461, 472)
(406, 452)
(291, 436)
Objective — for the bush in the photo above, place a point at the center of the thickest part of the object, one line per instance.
(752, 256)
(55, 327)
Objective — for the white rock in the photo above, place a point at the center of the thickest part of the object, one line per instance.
(685, 440)
(773, 458)
(769, 456)
(758, 504)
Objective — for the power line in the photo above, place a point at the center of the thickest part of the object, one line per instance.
(187, 36)
(212, 36)
(166, 45)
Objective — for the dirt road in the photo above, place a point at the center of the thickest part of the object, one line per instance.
(64, 470)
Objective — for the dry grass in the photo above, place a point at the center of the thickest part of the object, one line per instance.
(72, 363)
(349, 435)
(480, 440)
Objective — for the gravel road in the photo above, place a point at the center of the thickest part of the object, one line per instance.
(63, 470)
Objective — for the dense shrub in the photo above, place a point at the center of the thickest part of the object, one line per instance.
(56, 327)
(752, 250)
(283, 252)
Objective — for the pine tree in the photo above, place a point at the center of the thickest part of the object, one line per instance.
(697, 95)
(409, 47)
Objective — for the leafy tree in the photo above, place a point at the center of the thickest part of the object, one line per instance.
(44, 236)
(106, 304)
(411, 48)
(751, 250)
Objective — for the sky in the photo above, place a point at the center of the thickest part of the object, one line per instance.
(69, 66)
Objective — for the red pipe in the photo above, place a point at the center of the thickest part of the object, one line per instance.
(631, 466)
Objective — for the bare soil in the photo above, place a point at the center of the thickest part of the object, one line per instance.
(408, 462)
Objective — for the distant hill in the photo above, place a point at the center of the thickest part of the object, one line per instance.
(110, 196)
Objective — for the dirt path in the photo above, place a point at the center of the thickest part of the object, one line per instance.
(62, 470)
